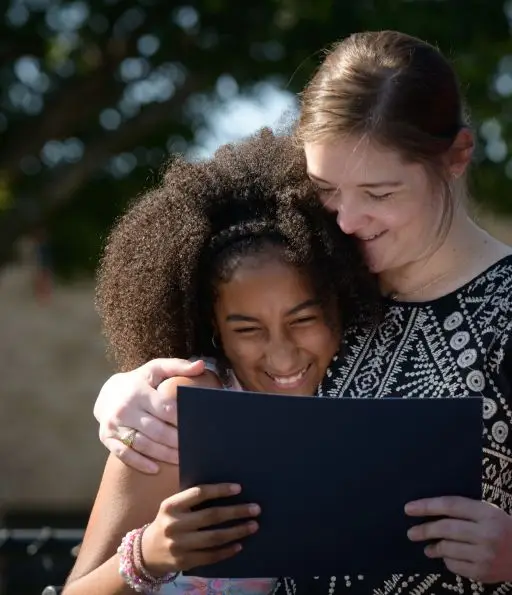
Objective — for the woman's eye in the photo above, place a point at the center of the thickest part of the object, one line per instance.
(380, 196)
(326, 191)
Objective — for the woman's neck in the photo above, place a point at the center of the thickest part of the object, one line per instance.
(466, 252)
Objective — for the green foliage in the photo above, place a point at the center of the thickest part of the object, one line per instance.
(97, 93)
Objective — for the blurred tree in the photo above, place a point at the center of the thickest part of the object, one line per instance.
(96, 93)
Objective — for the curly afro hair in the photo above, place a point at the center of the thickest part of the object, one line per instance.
(165, 256)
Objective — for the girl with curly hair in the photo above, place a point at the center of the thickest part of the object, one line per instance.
(230, 258)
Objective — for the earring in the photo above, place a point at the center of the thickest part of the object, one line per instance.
(214, 343)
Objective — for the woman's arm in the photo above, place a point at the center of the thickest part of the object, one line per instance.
(474, 538)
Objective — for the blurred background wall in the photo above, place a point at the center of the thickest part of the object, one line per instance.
(95, 96)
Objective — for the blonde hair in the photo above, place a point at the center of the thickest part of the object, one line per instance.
(396, 90)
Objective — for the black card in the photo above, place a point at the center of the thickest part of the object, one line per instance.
(332, 476)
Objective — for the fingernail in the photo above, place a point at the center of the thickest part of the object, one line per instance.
(152, 468)
(412, 533)
(252, 526)
(235, 488)
(237, 547)
(254, 509)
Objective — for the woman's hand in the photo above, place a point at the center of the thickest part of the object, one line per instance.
(474, 539)
(182, 539)
(131, 400)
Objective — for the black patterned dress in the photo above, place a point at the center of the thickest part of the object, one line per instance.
(459, 345)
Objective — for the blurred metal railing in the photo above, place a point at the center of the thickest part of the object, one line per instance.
(32, 558)
(32, 540)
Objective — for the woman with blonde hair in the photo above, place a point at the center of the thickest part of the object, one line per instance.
(388, 144)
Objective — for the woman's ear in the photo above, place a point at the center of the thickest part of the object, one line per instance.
(459, 154)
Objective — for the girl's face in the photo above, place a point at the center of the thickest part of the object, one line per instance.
(389, 205)
(272, 328)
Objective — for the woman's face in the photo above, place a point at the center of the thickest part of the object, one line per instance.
(389, 205)
(272, 328)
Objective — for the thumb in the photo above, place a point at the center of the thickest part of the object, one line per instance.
(158, 370)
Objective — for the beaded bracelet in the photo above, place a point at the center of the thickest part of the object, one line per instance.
(126, 565)
(139, 562)
(131, 565)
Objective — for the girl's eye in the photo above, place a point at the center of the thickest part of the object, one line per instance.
(304, 320)
(246, 330)
(380, 196)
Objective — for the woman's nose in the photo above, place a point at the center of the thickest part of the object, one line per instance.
(351, 219)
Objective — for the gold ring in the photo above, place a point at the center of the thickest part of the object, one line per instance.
(129, 438)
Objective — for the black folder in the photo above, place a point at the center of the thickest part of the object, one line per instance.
(332, 476)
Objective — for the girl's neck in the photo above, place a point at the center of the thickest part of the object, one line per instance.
(466, 252)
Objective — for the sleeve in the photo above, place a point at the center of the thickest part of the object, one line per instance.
(506, 372)
(497, 414)
(502, 364)
(210, 363)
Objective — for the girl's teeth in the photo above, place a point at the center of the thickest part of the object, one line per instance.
(289, 379)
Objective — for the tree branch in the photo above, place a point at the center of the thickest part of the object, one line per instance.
(75, 103)
(70, 108)
(12, 49)
(66, 182)
(125, 137)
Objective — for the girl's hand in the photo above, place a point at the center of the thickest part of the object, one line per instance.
(474, 539)
(182, 539)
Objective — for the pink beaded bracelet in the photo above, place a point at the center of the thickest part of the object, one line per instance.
(131, 565)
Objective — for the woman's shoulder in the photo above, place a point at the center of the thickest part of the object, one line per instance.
(493, 285)
(488, 298)
(494, 280)
(485, 301)
(482, 309)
